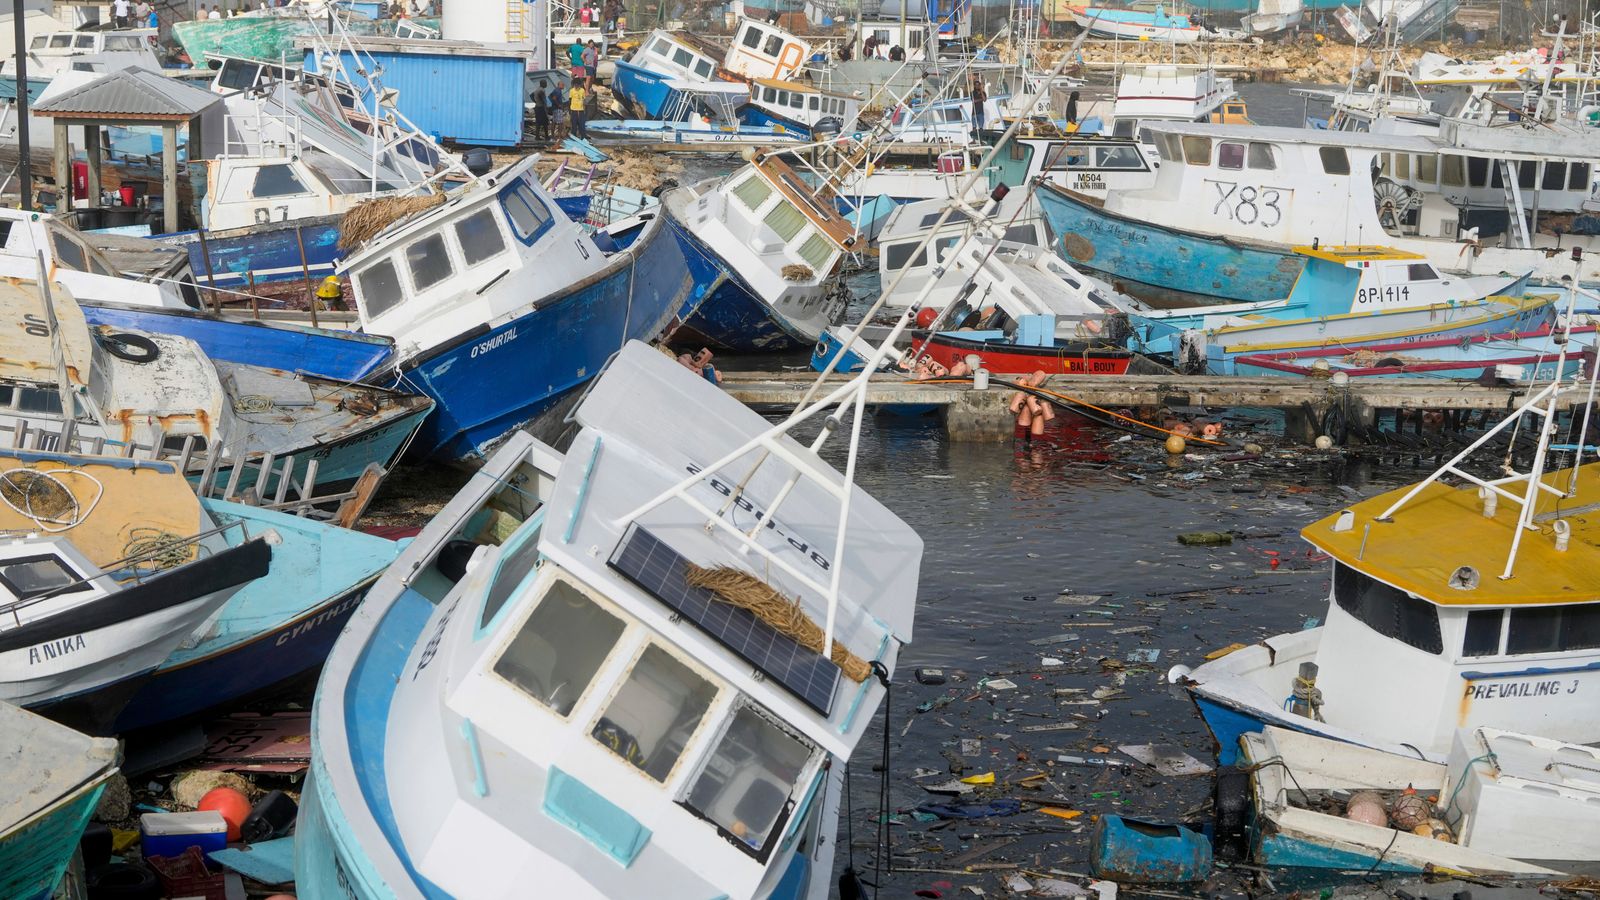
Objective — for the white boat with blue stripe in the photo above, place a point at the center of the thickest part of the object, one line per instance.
(570, 679)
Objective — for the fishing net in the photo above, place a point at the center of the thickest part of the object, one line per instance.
(741, 589)
(38, 496)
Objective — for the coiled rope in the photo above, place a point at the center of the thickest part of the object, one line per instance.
(44, 498)
(154, 549)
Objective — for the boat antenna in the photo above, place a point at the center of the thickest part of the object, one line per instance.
(1544, 405)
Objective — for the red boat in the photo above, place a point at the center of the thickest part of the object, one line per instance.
(1066, 357)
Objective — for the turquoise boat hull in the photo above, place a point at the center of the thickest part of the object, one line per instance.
(35, 854)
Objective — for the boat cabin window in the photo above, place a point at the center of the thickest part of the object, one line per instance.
(774, 45)
(797, 100)
(123, 42)
(1023, 234)
(379, 286)
(1527, 174)
(752, 36)
(479, 237)
(1334, 160)
(1454, 173)
(511, 570)
(703, 68)
(60, 41)
(1230, 156)
(1555, 176)
(1261, 156)
(654, 714)
(1124, 128)
(1478, 172)
(1170, 149)
(1552, 629)
(1421, 272)
(660, 47)
(753, 192)
(1065, 156)
(277, 181)
(84, 42)
(681, 57)
(31, 576)
(1387, 610)
(1483, 633)
(237, 74)
(1118, 158)
(1402, 165)
(746, 788)
(1578, 177)
(815, 103)
(39, 42)
(428, 261)
(1427, 169)
(69, 253)
(786, 220)
(1197, 150)
(897, 254)
(527, 213)
(560, 647)
(816, 251)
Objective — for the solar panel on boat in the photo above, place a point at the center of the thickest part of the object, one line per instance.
(645, 560)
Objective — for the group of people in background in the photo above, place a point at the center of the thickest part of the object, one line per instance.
(554, 114)
(127, 14)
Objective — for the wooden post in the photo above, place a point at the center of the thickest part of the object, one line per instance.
(91, 152)
(305, 274)
(255, 302)
(63, 168)
(169, 177)
(211, 278)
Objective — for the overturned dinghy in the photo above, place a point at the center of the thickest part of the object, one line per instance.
(632, 694)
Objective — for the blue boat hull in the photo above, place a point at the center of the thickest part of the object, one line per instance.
(1165, 266)
(751, 114)
(267, 253)
(730, 317)
(329, 353)
(646, 91)
(328, 864)
(274, 628)
(487, 383)
(1227, 724)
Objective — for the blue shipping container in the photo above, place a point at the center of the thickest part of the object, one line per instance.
(452, 91)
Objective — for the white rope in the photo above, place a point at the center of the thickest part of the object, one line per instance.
(50, 524)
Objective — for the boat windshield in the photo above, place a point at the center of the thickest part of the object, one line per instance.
(561, 646)
(1387, 609)
(748, 783)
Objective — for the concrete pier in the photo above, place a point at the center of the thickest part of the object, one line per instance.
(1311, 406)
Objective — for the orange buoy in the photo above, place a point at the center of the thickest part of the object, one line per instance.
(234, 806)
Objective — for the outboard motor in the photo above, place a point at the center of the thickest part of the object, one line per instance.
(478, 161)
(827, 125)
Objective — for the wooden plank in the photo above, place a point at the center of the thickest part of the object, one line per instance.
(360, 496)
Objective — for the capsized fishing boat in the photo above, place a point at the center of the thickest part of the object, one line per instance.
(696, 113)
(1502, 803)
(274, 629)
(571, 671)
(500, 306)
(1524, 356)
(269, 34)
(158, 395)
(763, 245)
(1446, 612)
(112, 563)
(1346, 297)
(647, 82)
(53, 777)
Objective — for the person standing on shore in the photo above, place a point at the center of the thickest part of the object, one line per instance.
(578, 99)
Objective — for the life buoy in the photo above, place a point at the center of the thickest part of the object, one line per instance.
(135, 348)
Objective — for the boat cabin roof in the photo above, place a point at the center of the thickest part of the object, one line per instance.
(134, 494)
(26, 353)
(1423, 549)
(635, 446)
(818, 207)
(1355, 255)
(798, 87)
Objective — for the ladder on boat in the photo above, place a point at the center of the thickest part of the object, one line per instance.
(1512, 190)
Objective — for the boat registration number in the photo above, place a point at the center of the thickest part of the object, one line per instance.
(1249, 204)
(1388, 294)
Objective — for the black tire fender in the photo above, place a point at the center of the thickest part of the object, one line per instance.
(135, 348)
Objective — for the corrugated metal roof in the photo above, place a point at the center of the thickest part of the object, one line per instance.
(131, 92)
